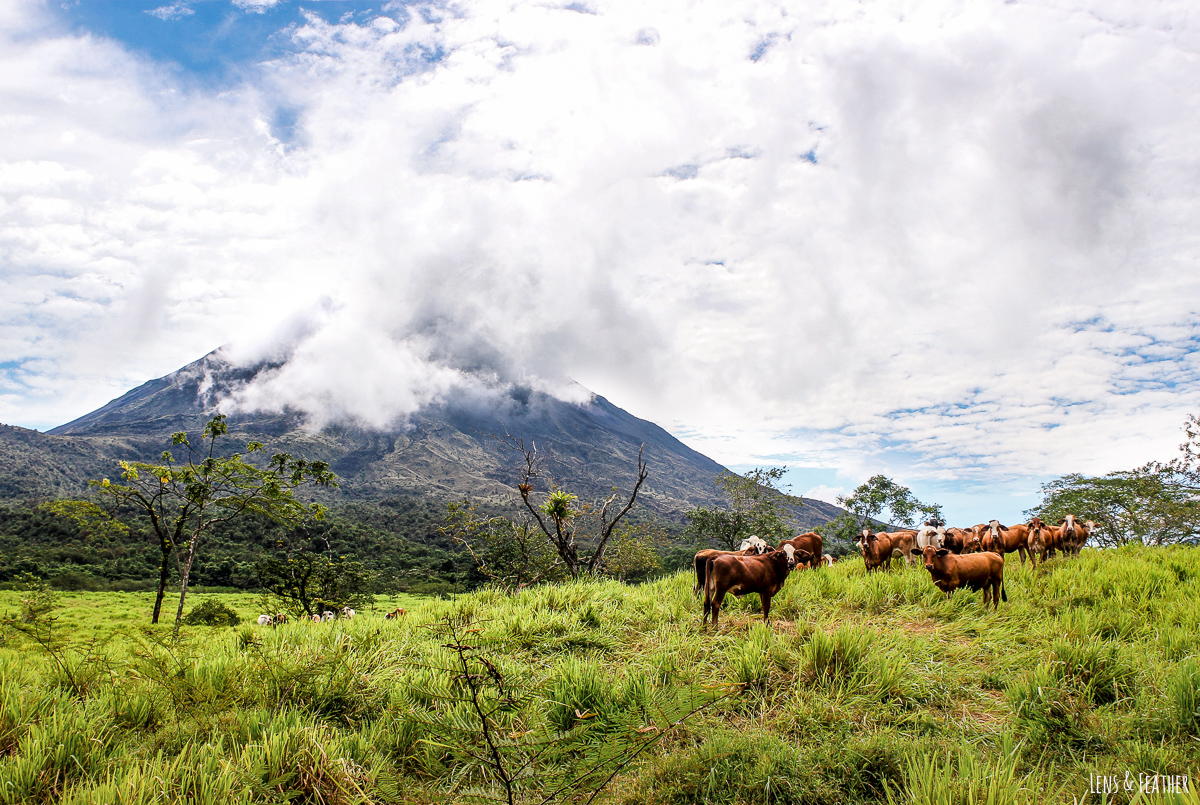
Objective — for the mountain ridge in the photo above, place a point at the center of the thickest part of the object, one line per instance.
(451, 449)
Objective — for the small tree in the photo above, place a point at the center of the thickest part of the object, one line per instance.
(184, 500)
(870, 502)
(758, 506)
(567, 527)
(308, 582)
(513, 553)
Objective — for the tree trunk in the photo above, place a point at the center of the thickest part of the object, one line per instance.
(185, 571)
(164, 571)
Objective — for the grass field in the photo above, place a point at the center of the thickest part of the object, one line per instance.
(864, 689)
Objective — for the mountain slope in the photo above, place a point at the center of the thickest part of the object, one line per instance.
(454, 449)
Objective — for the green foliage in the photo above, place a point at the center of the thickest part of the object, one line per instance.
(631, 554)
(1150, 505)
(183, 501)
(212, 612)
(38, 600)
(1183, 691)
(308, 581)
(757, 506)
(878, 502)
(1155, 504)
(511, 552)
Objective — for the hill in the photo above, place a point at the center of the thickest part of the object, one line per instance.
(444, 451)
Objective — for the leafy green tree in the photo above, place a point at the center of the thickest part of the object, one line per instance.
(310, 580)
(1155, 504)
(512, 552)
(184, 500)
(1150, 505)
(757, 506)
(632, 555)
(878, 502)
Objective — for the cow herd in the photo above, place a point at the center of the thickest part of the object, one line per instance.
(955, 557)
(280, 618)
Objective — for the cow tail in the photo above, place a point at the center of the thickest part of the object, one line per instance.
(1003, 594)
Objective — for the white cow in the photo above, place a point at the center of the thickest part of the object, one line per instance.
(265, 620)
(757, 544)
(327, 615)
(930, 535)
(347, 613)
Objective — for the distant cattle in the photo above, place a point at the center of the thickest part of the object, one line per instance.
(977, 571)
(348, 613)
(327, 615)
(810, 543)
(751, 546)
(264, 620)
(395, 613)
(742, 575)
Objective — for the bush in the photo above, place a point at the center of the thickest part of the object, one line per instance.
(211, 612)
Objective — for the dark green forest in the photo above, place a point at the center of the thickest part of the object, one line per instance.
(397, 540)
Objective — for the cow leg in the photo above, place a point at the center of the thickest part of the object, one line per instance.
(717, 600)
(1021, 553)
(766, 602)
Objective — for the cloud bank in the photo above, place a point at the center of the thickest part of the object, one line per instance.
(952, 243)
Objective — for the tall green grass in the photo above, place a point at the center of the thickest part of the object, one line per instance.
(863, 689)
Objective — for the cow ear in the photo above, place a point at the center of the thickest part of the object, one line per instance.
(943, 551)
(916, 551)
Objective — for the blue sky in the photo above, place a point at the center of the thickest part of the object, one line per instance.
(212, 42)
(951, 243)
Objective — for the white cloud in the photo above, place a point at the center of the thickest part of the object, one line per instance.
(256, 6)
(172, 11)
(826, 493)
(944, 243)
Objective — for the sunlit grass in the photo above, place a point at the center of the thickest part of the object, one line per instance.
(865, 688)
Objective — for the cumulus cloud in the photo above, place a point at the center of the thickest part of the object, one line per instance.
(950, 242)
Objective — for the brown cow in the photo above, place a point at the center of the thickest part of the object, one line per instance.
(1074, 535)
(959, 540)
(398, 612)
(1039, 541)
(879, 549)
(751, 546)
(741, 575)
(976, 571)
(809, 542)
(1006, 539)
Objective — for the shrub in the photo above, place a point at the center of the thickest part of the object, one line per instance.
(211, 612)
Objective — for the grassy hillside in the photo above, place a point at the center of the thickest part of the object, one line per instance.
(865, 689)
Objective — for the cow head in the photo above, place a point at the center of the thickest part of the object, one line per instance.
(976, 543)
(792, 553)
(930, 554)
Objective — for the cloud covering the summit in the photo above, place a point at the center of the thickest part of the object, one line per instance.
(951, 241)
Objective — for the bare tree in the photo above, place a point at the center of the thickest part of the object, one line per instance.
(562, 523)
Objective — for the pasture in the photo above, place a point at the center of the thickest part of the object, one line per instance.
(865, 689)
